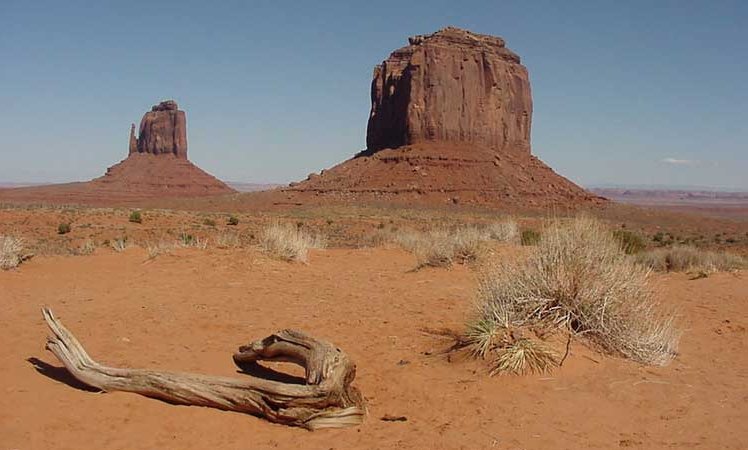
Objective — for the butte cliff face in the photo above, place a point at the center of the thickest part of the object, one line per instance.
(451, 86)
(163, 130)
(449, 122)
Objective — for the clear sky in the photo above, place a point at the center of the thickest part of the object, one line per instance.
(625, 92)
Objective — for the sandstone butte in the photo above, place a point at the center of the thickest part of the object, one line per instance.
(450, 122)
(156, 167)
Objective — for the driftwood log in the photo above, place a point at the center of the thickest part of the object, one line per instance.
(326, 400)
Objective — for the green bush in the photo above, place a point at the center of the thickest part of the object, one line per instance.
(530, 237)
(136, 217)
(233, 220)
(630, 242)
(63, 228)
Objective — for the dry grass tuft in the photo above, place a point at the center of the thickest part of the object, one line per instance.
(121, 244)
(687, 259)
(442, 247)
(524, 356)
(577, 279)
(187, 240)
(87, 247)
(11, 252)
(289, 243)
(227, 239)
(158, 248)
(504, 231)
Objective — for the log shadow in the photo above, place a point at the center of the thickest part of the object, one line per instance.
(259, 371)
(60, 374)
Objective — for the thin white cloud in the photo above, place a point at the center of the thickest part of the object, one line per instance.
(680, 162)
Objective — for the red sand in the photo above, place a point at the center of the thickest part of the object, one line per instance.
(189, 310)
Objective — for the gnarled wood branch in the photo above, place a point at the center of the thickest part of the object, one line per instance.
(327, 400)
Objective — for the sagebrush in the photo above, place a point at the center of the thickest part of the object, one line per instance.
(683, 258)
(288, 242)
(11, 252)
(441, 247)
(577, 279)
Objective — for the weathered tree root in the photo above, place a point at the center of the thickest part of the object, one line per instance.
(327, 400)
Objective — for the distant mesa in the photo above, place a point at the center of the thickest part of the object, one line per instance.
(450, 122)
(156, 167)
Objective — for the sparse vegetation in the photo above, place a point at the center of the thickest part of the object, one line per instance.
(86, 247)
(288, 242)
(681, 258)
(121, 244)
(233, 221)
(227, 239)
(52, 247)
(160, 247)
(504, 231)
(64, 228)
(524, 356)
(529, 237)
(629, 241)
(187, 240)
(209, 222)
(136, 217)
(11, 252)
(442, 247)
(576, 280)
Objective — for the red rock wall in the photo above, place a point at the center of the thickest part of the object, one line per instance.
(163, 130)
(451, 86)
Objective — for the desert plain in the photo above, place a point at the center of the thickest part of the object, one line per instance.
(389, 256)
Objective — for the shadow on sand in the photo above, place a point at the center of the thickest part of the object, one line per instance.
(60, 374)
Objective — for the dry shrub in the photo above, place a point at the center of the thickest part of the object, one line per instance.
(630, 242)
(87, 247)
(187, 240)
(687, 258)
(529, 237)
(160, 247)
(11, 252)
(469, 243)
(121, 244)
(577, 279)
(505, 231)
(288, 242)
(442, 247)
(52, 247)
(227, 239)
(524, 356)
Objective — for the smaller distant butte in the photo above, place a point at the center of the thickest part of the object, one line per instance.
(156, 167)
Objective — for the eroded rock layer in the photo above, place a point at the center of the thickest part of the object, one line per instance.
(446, 173)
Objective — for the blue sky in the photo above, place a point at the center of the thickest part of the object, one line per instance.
(636, 92)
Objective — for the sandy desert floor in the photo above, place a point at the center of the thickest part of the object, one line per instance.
(189, 310)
